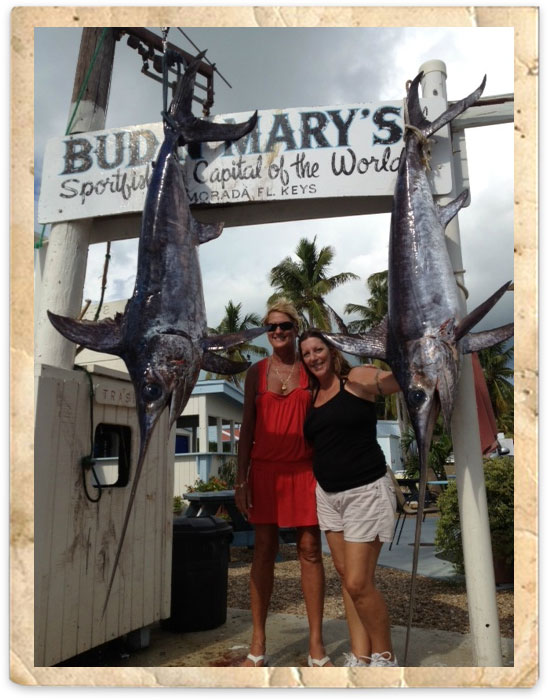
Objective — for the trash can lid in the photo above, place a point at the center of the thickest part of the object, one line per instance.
(204, 525)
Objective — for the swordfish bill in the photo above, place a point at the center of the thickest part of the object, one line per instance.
(162, 334)
(423, 336)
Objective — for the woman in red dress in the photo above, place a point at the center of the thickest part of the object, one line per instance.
(275, 486)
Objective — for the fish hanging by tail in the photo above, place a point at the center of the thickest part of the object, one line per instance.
(162, 334)
(424, 335)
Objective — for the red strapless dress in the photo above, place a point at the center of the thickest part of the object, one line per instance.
(282, 482)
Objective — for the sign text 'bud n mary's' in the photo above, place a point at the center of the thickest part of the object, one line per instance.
(318, 153)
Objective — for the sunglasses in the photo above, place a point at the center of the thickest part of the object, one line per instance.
(285, 326)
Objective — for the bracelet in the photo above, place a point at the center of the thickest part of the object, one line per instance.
(240, 486)
(378, 383)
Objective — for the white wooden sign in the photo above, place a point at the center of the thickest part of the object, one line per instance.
(306, 153)
(114, 394)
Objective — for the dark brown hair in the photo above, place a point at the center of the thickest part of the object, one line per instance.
(340, 365)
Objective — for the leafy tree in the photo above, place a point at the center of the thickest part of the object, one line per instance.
(305, 282)
(376, 308)
(440, 450)
(495, 362)
(234, 323)
(371, 314)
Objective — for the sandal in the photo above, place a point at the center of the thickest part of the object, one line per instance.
(318, 662)
(256, 659)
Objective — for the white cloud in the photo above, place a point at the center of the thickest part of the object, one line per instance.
(349, 65)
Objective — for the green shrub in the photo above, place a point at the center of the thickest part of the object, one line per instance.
(499, 486)
(227, 472)
(212, 484)
(177, 504)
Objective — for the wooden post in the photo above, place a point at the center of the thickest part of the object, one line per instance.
(476, 536)
(64, 275)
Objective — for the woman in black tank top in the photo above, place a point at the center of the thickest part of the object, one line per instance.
(356, 501)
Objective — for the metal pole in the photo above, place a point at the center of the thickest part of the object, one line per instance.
(62, 285)
(476, 535)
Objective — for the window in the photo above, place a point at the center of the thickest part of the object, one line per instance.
(112, 452)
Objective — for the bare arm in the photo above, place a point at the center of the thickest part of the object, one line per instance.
(245, 443)
(369, 381)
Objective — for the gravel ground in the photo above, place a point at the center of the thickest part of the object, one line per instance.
(439, 604)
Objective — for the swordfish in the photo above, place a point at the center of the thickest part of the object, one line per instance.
(162, 334)
(424, 335)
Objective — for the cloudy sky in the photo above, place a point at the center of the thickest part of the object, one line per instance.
(284, 68)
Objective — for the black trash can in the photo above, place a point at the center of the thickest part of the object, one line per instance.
(199, 576)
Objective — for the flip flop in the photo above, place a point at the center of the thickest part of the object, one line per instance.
(256, 659)
(318, 662)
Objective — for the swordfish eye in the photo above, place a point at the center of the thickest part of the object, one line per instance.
(416, 397)
(151, 391)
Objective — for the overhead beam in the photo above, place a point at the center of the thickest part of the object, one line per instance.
(486, 112)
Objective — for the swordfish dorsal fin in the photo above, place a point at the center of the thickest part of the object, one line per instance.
(102, 336)
(447, 212)
(475, 316)
(205, 232)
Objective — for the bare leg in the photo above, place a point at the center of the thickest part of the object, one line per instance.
(309, 548)
(360, 642)
(360, 560)
(261, 582)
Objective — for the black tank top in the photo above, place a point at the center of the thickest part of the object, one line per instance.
(343, 432)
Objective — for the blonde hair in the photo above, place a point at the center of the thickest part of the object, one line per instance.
(283, 306)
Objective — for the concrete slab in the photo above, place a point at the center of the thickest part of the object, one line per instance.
(287, 637)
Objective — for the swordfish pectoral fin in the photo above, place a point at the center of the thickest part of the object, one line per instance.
(222, 365)
(102, 336)
(222, 342)
(479, 341)
(371, 344)
(475, 316)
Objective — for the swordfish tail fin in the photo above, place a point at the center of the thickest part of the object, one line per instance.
(191, 128)
(427, 127)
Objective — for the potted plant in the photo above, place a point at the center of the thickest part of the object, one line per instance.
(499, 486)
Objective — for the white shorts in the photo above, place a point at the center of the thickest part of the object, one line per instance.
(361, 514)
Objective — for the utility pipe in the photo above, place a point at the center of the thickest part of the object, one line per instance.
(474, 518)
(62, 285)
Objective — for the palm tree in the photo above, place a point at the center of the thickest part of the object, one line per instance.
(495, 362)
(388, 407)
(233, 323)
(377, 305)
(305, 282)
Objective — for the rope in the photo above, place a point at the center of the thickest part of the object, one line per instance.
(88, 461)
(424, 142)
(165, 69)
(460, 285)
(104, 282)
